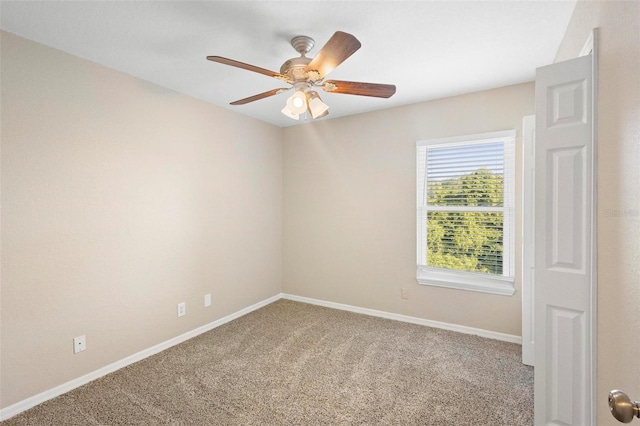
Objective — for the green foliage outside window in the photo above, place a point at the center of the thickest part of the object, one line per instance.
(469, 240)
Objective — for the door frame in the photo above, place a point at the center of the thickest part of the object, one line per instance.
(528, 239)
(592, 47)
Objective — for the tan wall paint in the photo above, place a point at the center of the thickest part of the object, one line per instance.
(121, 199)
(618, 182)
(349, 209)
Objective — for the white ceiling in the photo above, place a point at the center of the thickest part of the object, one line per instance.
(429, 49)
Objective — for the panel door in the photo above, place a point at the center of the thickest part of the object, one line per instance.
(564, 241)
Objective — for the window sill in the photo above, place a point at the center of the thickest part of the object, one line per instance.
(466, 281)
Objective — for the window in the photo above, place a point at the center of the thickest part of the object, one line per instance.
(465, 214)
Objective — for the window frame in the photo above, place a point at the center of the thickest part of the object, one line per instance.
(467, 280)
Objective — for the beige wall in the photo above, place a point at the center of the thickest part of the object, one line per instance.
(349, 209)
(121, 199)
(618, 183)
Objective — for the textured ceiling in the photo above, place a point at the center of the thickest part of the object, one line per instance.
(429, 50)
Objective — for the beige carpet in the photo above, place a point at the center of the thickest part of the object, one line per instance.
(291, 363)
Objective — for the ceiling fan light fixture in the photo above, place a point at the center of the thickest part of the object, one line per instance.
(297, 103)
(317, 108)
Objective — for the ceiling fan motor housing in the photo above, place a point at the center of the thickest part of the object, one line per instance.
(294, 68)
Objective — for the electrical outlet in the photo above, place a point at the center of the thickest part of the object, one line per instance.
(207, 300)
(182, 309)
(404, 293)
(79, 344)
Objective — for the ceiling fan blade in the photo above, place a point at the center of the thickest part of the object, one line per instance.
(259, 96)
(362, 89)
(339, 47)
(248, 67)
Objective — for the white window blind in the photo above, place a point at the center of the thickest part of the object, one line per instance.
(465, 198)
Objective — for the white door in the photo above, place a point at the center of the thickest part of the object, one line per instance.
(528, 239)
(564, 245)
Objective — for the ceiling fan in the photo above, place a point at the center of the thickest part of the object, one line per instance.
(305, 74)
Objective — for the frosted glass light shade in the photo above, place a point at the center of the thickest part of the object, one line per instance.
(297, 103)
(286, 111)
(317, 108)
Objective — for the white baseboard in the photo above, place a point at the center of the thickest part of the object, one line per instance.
(30, 402)
(413, 320)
